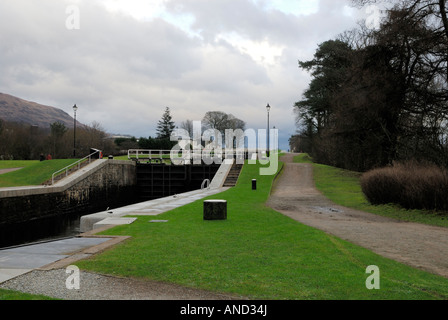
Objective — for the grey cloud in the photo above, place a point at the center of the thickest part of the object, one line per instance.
(115, 64)
(255, 22)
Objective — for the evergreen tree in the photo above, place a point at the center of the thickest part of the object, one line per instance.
(165, 125)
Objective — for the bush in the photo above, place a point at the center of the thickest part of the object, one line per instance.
(411, 185)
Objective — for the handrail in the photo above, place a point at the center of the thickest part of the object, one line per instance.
(206, 181)
(72, 165)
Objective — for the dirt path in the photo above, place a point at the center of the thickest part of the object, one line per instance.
(421, 246)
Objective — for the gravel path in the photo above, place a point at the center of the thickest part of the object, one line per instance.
(421, 246)
(92, 286)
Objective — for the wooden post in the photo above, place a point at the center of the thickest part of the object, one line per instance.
(215, 210)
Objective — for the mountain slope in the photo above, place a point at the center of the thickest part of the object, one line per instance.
(14, 109)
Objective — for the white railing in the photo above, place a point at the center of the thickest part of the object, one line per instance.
(66, 169)
(141, 154)
(138, 154)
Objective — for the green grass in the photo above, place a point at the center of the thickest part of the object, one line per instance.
(121, 158)
(257, 253)
(10, 164)
(14, 295)
(343, 187)
(33, 172)
(303, 158)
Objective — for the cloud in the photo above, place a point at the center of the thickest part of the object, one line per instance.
(131, 59)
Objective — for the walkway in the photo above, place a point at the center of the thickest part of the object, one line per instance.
(146, 208)
(421, 246)
(23, 259)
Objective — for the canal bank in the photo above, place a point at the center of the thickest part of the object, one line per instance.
(101, 184)
(48, 255)
(35, 213)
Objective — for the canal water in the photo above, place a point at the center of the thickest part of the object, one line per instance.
(39, 230)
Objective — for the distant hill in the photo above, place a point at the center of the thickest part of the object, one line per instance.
(14, 109)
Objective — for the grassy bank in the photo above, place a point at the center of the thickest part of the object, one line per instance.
(257, 253)
(14, 295)
(343, 187)
(32, 172)
(11, 164)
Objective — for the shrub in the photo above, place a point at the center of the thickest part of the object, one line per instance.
(411, 185)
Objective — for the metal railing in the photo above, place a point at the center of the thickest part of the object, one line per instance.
(138, 154)
(141, 154)
(78, 163)
(205, 183)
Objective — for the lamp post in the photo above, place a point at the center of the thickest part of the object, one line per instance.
(268, 108)
(75, 108)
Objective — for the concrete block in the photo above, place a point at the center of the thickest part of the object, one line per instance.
(113, 221)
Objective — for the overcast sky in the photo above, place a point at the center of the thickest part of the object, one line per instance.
(123, 61)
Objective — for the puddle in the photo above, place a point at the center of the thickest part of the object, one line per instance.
(327, 209)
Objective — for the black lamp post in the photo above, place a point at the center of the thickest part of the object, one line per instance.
(75, 108)
(268, 108)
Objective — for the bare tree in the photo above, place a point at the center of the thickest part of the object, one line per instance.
(187, 125)
(221, 121)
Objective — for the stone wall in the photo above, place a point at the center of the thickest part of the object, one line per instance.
(100, 185)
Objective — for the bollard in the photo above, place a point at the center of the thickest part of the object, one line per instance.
(215, 210)
(254, 184)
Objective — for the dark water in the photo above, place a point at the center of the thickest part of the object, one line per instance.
(39, 230)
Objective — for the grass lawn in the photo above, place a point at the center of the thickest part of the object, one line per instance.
(14, 295)
(10, 164)
(343, 187)
(33, 172)
(121, 158)
(257, 253)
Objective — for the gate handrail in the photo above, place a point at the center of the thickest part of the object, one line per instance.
(146, 153)
(137, 154)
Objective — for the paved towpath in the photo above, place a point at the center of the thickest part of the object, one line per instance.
(421, 246)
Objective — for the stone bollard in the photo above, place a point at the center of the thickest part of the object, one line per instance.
(215, 210)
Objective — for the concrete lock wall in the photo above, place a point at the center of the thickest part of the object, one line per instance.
(99, 185)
